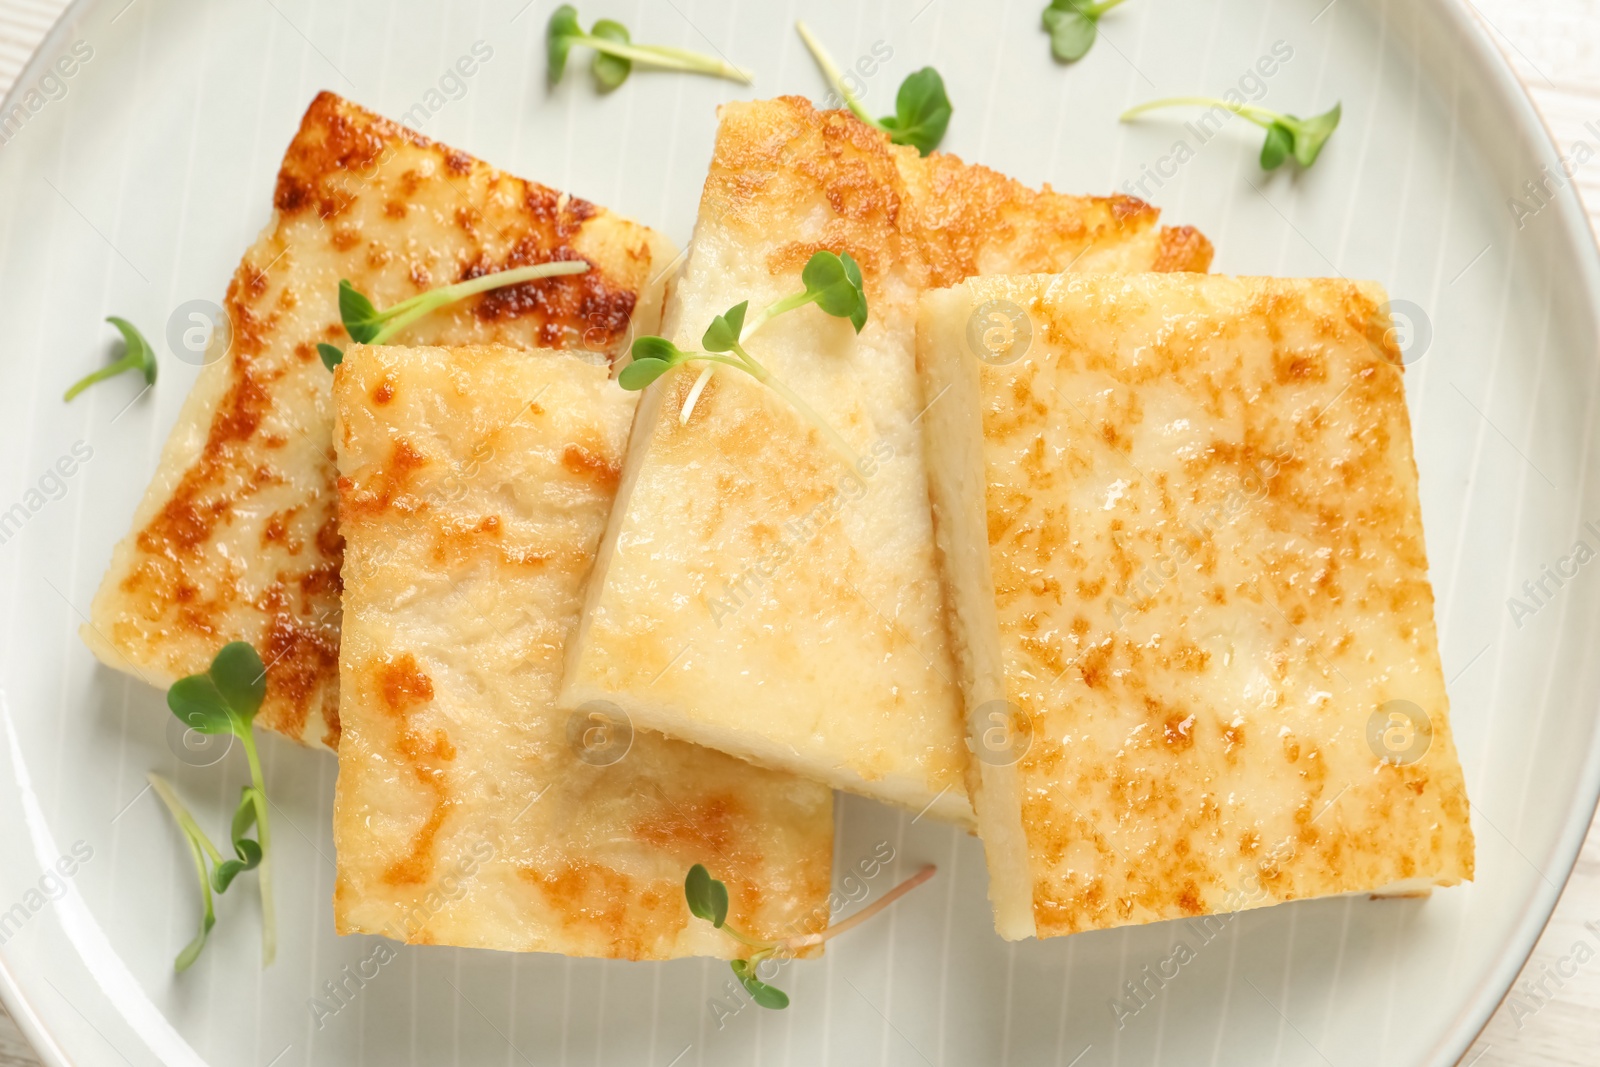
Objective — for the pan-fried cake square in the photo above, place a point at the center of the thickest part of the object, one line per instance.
(1178, 516)
(756, 594)
(475, 484)
(235, 538)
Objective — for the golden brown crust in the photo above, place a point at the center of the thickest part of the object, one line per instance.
(848, 613)
(532, 223)
(795, 157)
(946, 219)
(237, 537)
(461, 593)
(1183, 248)
(1208, 587)
(973, 220)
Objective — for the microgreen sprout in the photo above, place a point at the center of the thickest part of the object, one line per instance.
(137, 355)
(921, 108)
(1073, 26)
(708, 900)
(369, 326)
(224, 700)
(832, 282)
(610, 71)
(1287, 135)
(204, 854)
(615, 52)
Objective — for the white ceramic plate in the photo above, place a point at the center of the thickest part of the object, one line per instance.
(136, 183)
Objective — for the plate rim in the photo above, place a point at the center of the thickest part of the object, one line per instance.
(1476, 1013)
(41, 1041)
(29, 1022)
(1477, 1010)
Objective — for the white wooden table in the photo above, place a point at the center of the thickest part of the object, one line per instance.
(1555, 47)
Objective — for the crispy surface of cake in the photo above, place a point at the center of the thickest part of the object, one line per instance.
(236, 538)
(1179, 520)
(474, 487)
(756, 593)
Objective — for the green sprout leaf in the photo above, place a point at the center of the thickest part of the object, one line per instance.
(611, 71)
(199, 705)
(1071, 33)
(225, 699)
(764, 995)
(560, 34)
(1309, 135)
(1278, 146)
(331, 355)
(360, 317)
(834, 282)
(652, 357)
(658, 348)
(922, 110)
(248, 851)
(708, 900)
(1287, 135)
(249, 857)
(367, 325)
(723, 333)
(707, 897)
(611, 40)
(641, 373)
(1073, 26)
(240, 678)
(136, 355)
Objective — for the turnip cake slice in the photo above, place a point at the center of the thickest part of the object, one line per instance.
(756, 593)
(1179, 524)
(235, 538)
(474, 486)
